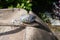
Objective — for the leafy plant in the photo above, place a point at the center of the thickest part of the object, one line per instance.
(44, 17)
(25, 4)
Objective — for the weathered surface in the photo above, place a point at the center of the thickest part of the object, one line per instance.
(37, 34)
(11, 32)
(57, 33)
(8, 16)
(41, 32)
(13, 36)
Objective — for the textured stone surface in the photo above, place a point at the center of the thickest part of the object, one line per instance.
(15, 36)
(19, 33)
(10, 32)
(57, 33)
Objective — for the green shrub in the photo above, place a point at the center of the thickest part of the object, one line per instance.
(25, 4)
(41, 6)
(44, 17)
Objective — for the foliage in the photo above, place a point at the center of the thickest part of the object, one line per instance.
(44, 17)
(41, 6)
(37, 6)
(25, 4)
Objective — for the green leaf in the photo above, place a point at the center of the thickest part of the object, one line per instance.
(28, 1)
(22, 5)
(29, 4)
(28, 8)
(18, 5)
(10, 6)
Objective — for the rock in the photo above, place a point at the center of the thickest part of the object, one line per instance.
(41, 32)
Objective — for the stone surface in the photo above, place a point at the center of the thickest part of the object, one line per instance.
(11, 32)
(57, 33)
(42, 32)
(15, 36)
